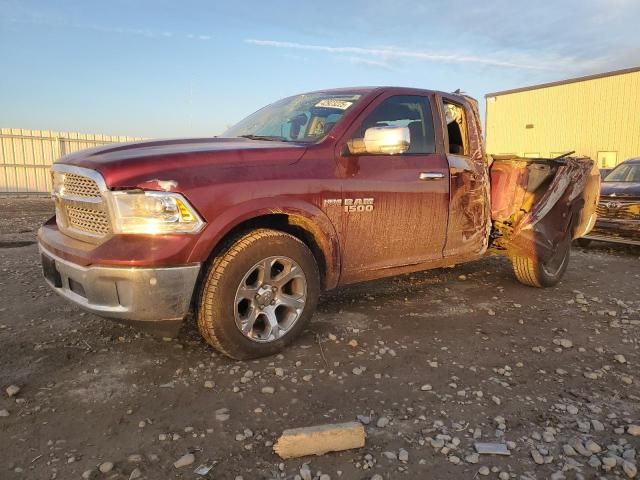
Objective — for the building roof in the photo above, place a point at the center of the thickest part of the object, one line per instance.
(564, 82)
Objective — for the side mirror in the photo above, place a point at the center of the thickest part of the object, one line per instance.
(381, 141)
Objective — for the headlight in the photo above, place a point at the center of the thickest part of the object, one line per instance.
(152, 212)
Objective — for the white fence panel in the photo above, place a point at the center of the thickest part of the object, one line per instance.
(26, 155)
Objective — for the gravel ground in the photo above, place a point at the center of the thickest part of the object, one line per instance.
(431, 363)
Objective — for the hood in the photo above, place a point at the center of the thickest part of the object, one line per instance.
(132, 164)
(620, 189)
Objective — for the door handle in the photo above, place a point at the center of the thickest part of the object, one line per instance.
(431, 176)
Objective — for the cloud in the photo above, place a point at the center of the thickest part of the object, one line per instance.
(369, 62)
(381, 56)
(587, 33)
(144, 32)
(59, 21)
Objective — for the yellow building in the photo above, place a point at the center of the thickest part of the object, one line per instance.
(597, 116)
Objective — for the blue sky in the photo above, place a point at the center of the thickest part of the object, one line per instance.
(165, 68)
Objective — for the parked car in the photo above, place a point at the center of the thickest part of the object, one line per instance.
(604, 172)
(309, 193)
(619, 207)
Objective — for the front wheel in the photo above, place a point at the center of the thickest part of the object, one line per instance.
(258, 295)
(530, 271)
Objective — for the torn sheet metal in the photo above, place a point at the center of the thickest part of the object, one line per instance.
(509, 180)
(567, 184)
(481, 160)
(538, 203)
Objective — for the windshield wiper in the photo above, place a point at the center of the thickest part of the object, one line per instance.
(268, 138)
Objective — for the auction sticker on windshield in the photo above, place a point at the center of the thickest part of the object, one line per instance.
(334, 103)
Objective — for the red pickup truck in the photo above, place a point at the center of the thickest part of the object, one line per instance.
(311, 192)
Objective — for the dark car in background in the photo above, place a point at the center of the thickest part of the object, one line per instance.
(604, 172)
(619, 208)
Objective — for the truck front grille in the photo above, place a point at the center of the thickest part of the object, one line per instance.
(88, 220)
(80, 186)
(81, 210)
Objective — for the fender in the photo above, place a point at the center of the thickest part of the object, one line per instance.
(303, 214)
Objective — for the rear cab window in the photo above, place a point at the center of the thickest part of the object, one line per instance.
(457, 142)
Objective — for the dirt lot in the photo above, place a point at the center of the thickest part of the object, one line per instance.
(431, 363)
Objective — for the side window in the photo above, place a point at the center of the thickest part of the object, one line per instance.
(413, 112)
(456, 128)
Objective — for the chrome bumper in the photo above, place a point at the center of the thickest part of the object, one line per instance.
(136, 293)
(617, 230)
(611, 238)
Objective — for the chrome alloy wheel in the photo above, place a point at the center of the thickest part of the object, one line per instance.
(270, 299)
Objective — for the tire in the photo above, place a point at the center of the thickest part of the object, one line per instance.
(529, 271)
(583, 242)
(258, 295)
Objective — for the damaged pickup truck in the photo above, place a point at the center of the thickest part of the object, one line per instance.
(309, 193)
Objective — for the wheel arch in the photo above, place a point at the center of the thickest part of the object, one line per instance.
(306, 222)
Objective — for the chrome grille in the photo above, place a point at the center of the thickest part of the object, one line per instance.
(619, 210)
(81, 211)
(95, 222)
(80, 186)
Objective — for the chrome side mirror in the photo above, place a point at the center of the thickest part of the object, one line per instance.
(381, 141)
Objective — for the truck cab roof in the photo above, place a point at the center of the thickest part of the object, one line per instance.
(398, 90)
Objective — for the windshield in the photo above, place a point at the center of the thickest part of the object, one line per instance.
(303, 118)
(629, 172)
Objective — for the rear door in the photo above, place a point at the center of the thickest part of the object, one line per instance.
(467, 234)
(394, 207)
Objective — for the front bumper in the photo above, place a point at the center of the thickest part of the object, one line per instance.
(616, 230)
(126, 293)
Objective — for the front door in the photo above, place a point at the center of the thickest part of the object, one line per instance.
(394, 207)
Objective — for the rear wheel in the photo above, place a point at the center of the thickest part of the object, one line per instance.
(258, 295)
(530, 271)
